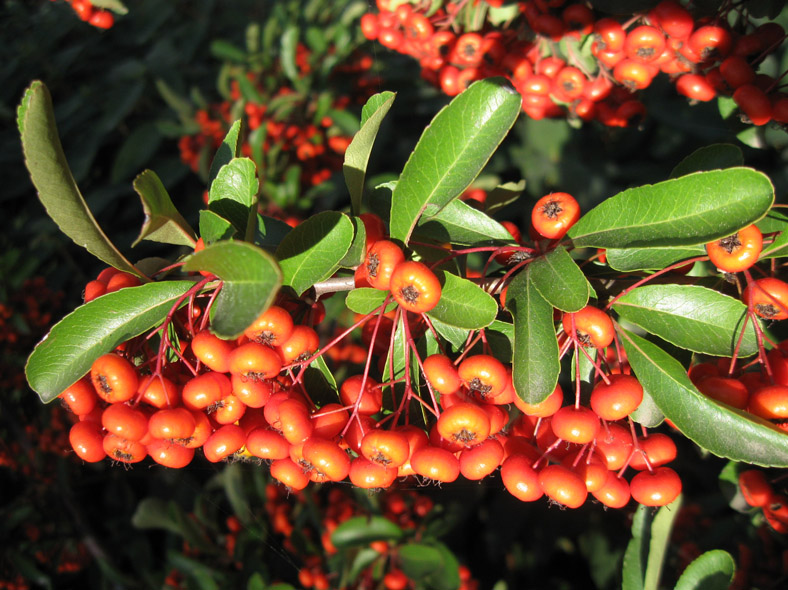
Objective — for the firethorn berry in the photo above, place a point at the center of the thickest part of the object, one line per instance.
(80, 397)
(435, 463)
(159, 391)
(202, 430)
(227, 410)
(373, 225)
(563, 485)
(87, 440)
(633, 74)
(289, 473)
(727, 390)
(224, 441)
(755, 488)
(170, 454)
(710, 41)
(736, 252)
(415, 287)
(114, 378)
(302, 344)
(592, 327)
(389, 448)
(94, 289)
(591, 469)
(329, 420)
(125, 421)
(368, 475)
(484, 375)
(575, 424)
(657, 447)
(481, 460)
(769, 298)
(205, 390)
(395, 579)
(754, 103)
(121, 449)
(175, 424)
(272, 327)
(644, 43)
(770, 402)
(655, 488)
(546, 408)
(695, 87)
(212, 351)
(252, 393)
(382, 258)
(371, 397)
(615, 492)
(465, 423)
(327, 458)
(255, 361)
(102, 19)
(618, 399)
(441, 374)
(610, 35)
(675, 20)
(267, 444)
(520, 479)
(615, 445)
(554, 214)
(122, 280)
(294, 421)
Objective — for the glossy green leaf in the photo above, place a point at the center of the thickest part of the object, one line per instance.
(362, 530)
(713, 570)
(163, 223)
(535, 362)
(775, 222)
(358, 248)
(96, 328)
(357, 153)
(287, 56)
(463, 304)
(630, 259)
(452, 151)
(419, 560)
(720, 429)
(313, 250)
(447, 577)
(230, 149)
(57, 189)
(710, 157)
(233, 194)
(648, 413)
(457, 337)
(661, 527)
(363, 559)
(694, 209)
(365, 300)
(559, 280)
(460, 224)
(213, 227)
(270, 232)
(251, 280)
(500, 336)
(636, 554)
(691, 317)
(395, 357)
(502, 195)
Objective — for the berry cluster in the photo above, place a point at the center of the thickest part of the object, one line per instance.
(98, 17)
(247, 399)
(758, 492)
(568, 61)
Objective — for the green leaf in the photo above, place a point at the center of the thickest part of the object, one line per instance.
(158, 514)
(503, 195)
(648, 413)
(694, 209)
(363, 559)
(452, 151)
(251, 279)
(362, 530)
(775, 222)
(463, 304)
(229, 150)
(559, 280)
(365, 300)
(233, 194)
(457, 337)
(114, 5)
(270, 232)
(357, 153)
(163, 223)
(57, 189)
(660, 536)
(419, 560)
(459, 223)
(226, 51)
(629, 259)
(691, 317)
(500, 336)
(714, 570)
(213, 227)
(448, 576)
(287, 56)
(313, 250)
(636, 554)
(535, 362)
(710, 157)
(358, 248)
(96, 328)
(202, 575)
(720, 429)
